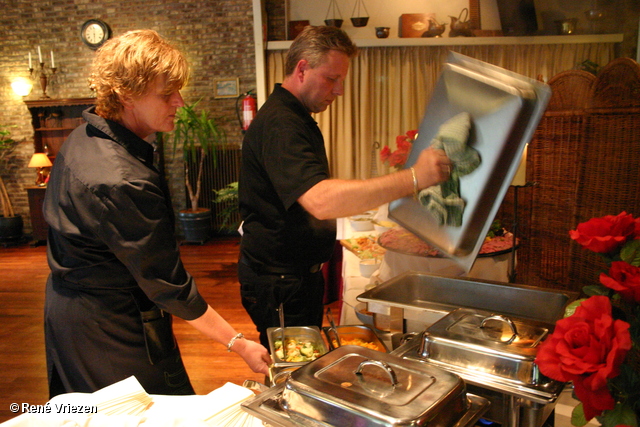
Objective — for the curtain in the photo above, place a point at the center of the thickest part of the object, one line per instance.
(388, 88)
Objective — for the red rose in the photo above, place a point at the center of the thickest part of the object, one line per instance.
(412, 134)
(605, 234)
(398, 158)
(587, 348)
(623, 278)
(385, 153)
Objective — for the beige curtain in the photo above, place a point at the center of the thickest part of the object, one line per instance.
(388, 89)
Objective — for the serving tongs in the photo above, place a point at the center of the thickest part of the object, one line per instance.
(284, 347)
(333, 326)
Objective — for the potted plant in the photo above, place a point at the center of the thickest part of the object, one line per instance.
(10, 223)
(228, 198)
(196, 135)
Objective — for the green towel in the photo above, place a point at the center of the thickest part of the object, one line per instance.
(443, 200)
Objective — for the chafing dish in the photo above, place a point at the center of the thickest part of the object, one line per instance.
(415, 301)
(495, 355)
(353, 385)
(485, 344)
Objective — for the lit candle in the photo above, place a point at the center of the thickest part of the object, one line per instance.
(30, 67)
(53, 64)
(39, 55)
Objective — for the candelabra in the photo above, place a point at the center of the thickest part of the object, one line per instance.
(44, 78)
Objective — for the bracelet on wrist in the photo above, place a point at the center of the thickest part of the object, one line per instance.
(415, 183)
(233, 341)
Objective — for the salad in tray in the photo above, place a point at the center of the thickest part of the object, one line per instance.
(297, 350)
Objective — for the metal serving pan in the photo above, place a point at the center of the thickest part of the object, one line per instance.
(298, 333)
(349, 333)
(505, 109)
(353, 385)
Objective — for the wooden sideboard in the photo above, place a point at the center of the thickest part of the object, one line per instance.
(53, 120)
(38, 224)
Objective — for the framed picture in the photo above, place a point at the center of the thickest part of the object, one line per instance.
(227, 88)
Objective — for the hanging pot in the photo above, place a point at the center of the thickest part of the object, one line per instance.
(359, 20)
(336, 21)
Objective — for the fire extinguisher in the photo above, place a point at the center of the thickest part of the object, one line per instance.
(249, 110)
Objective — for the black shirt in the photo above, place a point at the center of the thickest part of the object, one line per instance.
(110, 221)
(283, 156)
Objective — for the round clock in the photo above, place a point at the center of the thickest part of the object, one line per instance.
(94, 33)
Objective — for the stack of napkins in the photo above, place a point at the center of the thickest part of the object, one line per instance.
(126, 397)
(127, 404)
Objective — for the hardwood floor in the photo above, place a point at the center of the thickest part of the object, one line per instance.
(23, 273)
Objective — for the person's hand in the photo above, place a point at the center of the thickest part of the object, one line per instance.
(255, 355)
(433, 166)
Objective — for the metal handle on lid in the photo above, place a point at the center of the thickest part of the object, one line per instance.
(506, 320)
(388, 369)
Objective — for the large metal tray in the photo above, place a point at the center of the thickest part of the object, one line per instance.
(267, 407)
(505, 109)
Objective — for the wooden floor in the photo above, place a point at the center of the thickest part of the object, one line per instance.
(23, 273)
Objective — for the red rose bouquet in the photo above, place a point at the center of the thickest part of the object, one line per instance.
(399, 157)
(597, 346)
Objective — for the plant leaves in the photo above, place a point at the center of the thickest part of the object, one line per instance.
(619, 415)
(577, 416)
(631, 253)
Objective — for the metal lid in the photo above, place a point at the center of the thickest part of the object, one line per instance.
(488, 328)
(505, 109)
(366, 384)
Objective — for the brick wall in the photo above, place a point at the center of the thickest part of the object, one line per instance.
(216, 36)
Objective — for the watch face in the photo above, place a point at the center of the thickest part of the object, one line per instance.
(94, 33)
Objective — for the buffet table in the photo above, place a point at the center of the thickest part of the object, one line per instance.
(494, 268)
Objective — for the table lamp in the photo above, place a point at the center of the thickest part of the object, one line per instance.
(40, 161)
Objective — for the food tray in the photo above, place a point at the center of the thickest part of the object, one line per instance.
(351, 332)
(505, 109)
(311, 333)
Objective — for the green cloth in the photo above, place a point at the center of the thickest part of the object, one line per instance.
(443, 200)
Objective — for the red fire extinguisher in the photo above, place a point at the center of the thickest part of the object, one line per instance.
(249, 110)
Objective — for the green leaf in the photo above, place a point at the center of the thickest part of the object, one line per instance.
(571, 308)
(592, 290)
(577, 416)
(619, 415)
(631, 252)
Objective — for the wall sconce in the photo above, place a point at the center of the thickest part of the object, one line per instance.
(21, 86)
(40, 161)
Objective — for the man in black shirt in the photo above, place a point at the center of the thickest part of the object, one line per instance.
(288, 201)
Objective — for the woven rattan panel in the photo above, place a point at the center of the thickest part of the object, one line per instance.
(583, 159)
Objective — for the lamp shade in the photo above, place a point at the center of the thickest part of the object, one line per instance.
(39, 160)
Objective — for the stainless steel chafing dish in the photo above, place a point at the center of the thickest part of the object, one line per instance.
(495, 355)
(353, 385)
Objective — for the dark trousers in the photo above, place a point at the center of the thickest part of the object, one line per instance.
(262, 292)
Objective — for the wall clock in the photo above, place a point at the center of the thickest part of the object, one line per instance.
(94, 33)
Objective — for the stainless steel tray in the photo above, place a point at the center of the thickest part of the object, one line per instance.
(505, 109)
(267, 407)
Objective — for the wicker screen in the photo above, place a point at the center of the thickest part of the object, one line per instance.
(583, 160)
